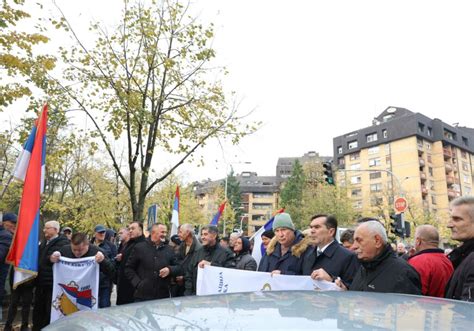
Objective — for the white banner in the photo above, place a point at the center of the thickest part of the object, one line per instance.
(215, 280)
(75, 286)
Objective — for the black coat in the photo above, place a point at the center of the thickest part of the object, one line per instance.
(143, 270)
(336, 260)
(461, 284)
(45, 267)
(5, 242)
(125, 289)
(289, 263)
(107, 267)
(217, 255)
(388, 274)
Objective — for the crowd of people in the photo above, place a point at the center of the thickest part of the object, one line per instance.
(155, 266)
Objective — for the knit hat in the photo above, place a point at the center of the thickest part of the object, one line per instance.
(9, 217)
(283, 220)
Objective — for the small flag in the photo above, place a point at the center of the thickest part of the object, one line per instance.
(258, 249)
(175, 215)
(217, 216)
(23, 254)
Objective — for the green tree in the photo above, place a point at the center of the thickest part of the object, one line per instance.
(234, 201)
(151, 83)
(291, 196)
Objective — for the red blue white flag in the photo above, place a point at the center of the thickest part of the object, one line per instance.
(23, 254)
(216, 218)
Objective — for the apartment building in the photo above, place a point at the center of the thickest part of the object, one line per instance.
(405, 154)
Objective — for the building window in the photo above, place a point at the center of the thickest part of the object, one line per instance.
(384, 133)
(374, 162)
(356, 179)
(376, 201)
(428, 146)
(449, 135)
(263, 195)
(376, 187)
(339, 150)
(430, 171)
(356, 193)
(352, 134)
(429, 131)
(421, 127)
(388, 159)
(355, 166)
(466, 179)
(429, 158)
(375, 175)
(433, 200)
(432, 185)
(419, 142)
(354, 156)
(261, 206)
(463, 154)
(372, 137)
(465, 142)
(341, 161)
(465, 166)
(387, 117)
(352, 144)
(373, 150)
(357, 205)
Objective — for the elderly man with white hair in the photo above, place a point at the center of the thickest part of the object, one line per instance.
(381, 270)
(51, 243)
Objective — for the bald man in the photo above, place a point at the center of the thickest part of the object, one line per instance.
(381, 270)
(434, 267)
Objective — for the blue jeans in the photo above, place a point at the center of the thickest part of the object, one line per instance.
(104, 297)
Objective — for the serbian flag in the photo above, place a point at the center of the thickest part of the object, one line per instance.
(23, 254)
(258, 249)
(175, 215)
(216, 218)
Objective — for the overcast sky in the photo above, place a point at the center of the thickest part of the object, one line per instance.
(314, 70)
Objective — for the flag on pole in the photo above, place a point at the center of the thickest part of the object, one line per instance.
(23, 254)
(175, 215)
(258, 249)
(217, 216)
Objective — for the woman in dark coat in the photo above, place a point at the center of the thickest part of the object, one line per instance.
(244, 260)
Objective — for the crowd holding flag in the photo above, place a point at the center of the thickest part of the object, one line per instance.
(218, 215)
(175, 215)
(258, 249)
(23, 254)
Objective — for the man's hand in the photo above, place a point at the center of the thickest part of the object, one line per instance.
(339, 283)
(164, 272)
(276, 272)
(99, 257)
(119, 257)
(203, 263)
(55, 257)
(321, 274)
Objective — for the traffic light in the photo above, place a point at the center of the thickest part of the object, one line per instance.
(396, 225)
(329, 177)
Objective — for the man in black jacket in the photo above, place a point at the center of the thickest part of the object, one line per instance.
(211, 253)
(188, 247)
(80, 247)
(51, 243)
(328, 260)
(125, 289)
(461, 223)
(381, 270)
(150, 267)
(7, 229)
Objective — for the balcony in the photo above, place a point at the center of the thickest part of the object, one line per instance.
(424, 190)
(448, 167)
(447, 153)
(453, 194)
(450, 180)
(422, 176)
(422, 162)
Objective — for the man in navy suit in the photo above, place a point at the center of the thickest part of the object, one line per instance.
(327, 259)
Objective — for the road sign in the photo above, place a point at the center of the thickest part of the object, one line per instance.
(400, 205)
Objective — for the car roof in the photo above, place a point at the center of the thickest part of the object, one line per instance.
(279, 310)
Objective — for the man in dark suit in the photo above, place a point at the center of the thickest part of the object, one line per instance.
(327, 259)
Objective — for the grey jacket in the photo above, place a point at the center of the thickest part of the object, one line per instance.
(245, 262)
